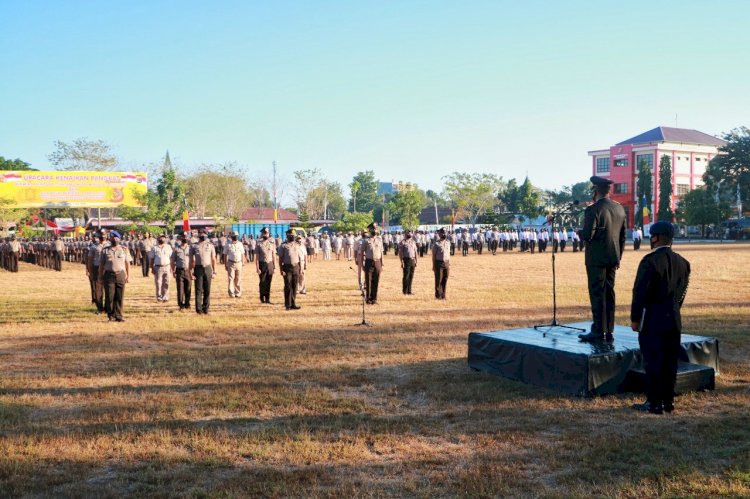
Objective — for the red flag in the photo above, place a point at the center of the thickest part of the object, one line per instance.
(185, 221)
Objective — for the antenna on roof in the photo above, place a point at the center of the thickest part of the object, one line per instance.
(675, 120)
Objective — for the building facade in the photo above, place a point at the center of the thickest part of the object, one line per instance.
(689, 151)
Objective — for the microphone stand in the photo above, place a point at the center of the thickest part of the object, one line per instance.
(364, 296)
(554, 323)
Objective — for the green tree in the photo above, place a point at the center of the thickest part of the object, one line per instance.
(14, 165)
(529, 200)
(165, 203)
(83, 155)
(364, 189)
(699, 207)
(644, 189)
(509, 196)
(731, 167)
(352, 222)
(472, 193)
(406, 206)
(665, 189)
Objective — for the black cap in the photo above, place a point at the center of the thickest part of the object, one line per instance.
(373, 225)
(600, 181)
(264, 230)
(661, 228)
(441, 230)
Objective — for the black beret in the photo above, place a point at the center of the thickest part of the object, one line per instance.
(662, 227)
(600, 181)
(264, 229)
(373, 225)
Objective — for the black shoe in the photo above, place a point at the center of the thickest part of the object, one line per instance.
(609, 338)
(647, 407)
(120, 319)
(295, 307)
(592, 336)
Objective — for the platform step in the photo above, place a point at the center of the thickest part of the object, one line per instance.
(690, 378)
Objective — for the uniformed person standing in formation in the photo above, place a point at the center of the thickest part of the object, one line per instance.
(145, 246)
(114, 273)
(371, 260)
(264, 264)
(441, 255)
(658, 293)
(203, 269)
(58, 250)
(161, 256)
(604, 235)
(637, 235)
(407, 252)
(93, 260)
(11, 254)
(180, 264)
(234, 257)
(289, 267)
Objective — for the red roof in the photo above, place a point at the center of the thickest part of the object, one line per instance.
(266, 215)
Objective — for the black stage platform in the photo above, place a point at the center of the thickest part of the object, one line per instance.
(555, 358)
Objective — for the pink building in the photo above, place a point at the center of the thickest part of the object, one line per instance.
(689, 150)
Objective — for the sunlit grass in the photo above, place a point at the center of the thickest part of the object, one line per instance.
(256, 401)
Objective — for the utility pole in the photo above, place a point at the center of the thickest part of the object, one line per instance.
(275, 203)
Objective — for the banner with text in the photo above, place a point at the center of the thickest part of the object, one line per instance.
(62, 189)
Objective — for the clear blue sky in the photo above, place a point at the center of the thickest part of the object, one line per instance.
(410, 89)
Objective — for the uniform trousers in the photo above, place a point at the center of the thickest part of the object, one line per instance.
(636, 244)
(161, 282)
(442, 270)
(234, 278)
(114, 293)
(266, 276)
(184, 285)
(58, 258)
(562, 245)
(203, 276)
(291, 275)
(96, 289)
(372, 279)
(661, 351)
(410, 264)
(602, 297)
(145, 264)
(13, 263)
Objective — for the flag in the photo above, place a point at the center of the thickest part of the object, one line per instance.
(645, 211)
(275, 215)
(185, 221)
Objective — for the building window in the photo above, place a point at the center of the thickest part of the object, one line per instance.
(621, 188)
(621, 162)
(682, 189)
(602, 165)
(648, 158)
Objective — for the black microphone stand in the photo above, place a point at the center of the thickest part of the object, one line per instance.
(554, 323)
(364, 298)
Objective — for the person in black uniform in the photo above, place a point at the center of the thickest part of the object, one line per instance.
(604, 233)
(371, 260)
(407, 253)
(658, 293)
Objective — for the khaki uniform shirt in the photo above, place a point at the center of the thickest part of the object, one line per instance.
(442, 250)
(202, 252)
(234, 252)
(373, 248)
(114, 259)
(265, 250)
(161, 254)
(181, 257)
(289, 253)
(407, 249)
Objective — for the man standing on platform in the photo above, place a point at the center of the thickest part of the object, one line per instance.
(180, 264)
(289, 267)
(407, 252)
(658, 293)
(264, 264)
(203, 269)
(441, 255)
(604, 234)
(371, 260)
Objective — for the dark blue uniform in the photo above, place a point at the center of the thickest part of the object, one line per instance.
(659, 290)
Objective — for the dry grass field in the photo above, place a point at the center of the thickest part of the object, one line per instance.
(254, 401)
